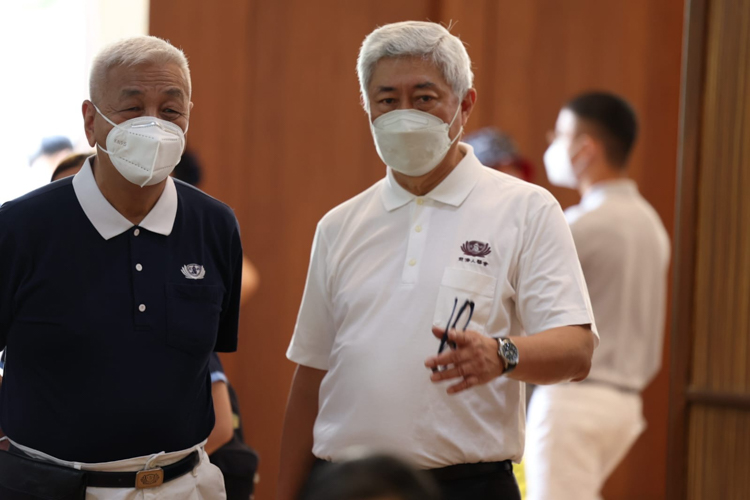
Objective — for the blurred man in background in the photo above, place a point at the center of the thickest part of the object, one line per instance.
(579, 433)
(414, 265)
(70, 166)
(496, 149)
(52, 151)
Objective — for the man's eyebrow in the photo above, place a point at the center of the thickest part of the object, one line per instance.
(130, 93)
(383, 88)
(425, 85)
(174, 92)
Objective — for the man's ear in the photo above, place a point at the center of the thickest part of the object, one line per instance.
(585, 148)
(467, 105)
(89, 115)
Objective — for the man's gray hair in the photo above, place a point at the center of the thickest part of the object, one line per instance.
(430, 41)
(131, 52)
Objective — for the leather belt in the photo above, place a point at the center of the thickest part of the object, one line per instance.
(453, 472)
(150, 478)
(465, 471)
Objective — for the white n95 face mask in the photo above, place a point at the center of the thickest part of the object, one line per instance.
(145, 149)
(558, 165)
(412, 142)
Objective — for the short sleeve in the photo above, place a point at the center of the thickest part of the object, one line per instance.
(314, 333)
(216, 369)
(551, 290)
(226, 340)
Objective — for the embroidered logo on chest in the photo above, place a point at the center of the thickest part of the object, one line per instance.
(475, 252)
(193, 271)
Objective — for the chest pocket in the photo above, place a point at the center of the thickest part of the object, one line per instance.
(193, 314)
(459, 285)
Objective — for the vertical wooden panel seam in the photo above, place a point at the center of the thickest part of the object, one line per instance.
(684, 248)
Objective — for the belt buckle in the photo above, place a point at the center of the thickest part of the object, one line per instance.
(149, 478)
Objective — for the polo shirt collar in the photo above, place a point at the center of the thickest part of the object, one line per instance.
(452, 191)
(108, 221)
(602, 190)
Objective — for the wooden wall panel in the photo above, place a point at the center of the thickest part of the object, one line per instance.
(278, 126)
(718, 440)
(719, 456)
(721, 353)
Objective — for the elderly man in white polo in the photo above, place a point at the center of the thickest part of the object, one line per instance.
(440, 243)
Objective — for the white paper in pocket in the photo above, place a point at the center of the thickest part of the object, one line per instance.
(459, 285)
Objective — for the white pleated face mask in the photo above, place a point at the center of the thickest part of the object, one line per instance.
(412, 142)
(145, 149)
(559, 166)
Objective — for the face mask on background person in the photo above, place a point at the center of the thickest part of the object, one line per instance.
(559, 166)
(145, 149)
(412, 142)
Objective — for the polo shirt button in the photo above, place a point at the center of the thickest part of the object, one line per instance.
(142, 307)
(418, 229)
(138, 267)
(420, 201)
(413, 262)
(136, 232)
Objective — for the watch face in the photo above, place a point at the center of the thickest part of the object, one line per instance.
(510, 352)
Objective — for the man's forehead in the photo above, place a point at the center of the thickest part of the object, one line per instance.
(124, 81)
(406, 71)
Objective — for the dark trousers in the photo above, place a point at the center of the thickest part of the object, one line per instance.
(485, 481)
(481, 481)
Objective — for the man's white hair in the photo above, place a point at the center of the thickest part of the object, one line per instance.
(430, 41)
(131, 52)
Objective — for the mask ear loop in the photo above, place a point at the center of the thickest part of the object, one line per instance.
(108, 121)
(458, 110)
(579, 148)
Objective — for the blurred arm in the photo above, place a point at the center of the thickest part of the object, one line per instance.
(250, 280)
(297, 436)
(223, 428)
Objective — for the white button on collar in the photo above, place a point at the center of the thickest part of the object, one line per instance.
(142, 307)
(420, 201)
(138, 267)
(136, 232)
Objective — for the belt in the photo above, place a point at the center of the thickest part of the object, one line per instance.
(453, 472)
(150, 478)
(465, 471)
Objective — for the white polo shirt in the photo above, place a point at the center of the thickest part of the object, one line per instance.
(387, 265)
(624, 252)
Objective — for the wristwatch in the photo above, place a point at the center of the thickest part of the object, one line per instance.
(508, 353)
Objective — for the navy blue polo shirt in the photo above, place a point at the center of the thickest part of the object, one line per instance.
(109, 327)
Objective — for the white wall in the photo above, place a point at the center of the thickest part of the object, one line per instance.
(46, 48)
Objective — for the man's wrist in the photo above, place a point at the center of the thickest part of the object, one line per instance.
(500, 359)
(508, 354)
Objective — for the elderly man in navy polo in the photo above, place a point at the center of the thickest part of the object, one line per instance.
(117, 285)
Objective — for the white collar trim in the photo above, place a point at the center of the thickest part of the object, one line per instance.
(452, 191)
(108, 221)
